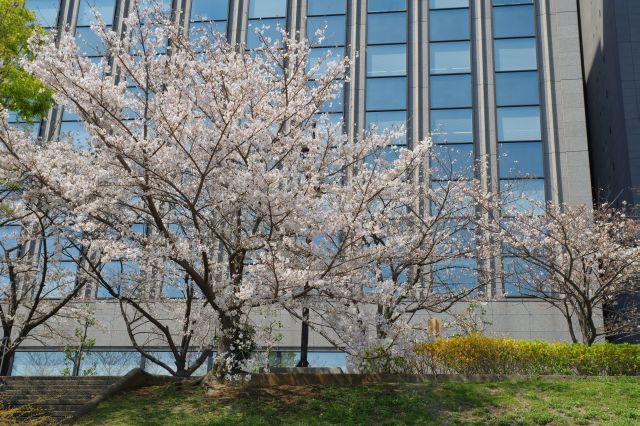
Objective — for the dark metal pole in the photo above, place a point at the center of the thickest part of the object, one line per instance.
(304, 339)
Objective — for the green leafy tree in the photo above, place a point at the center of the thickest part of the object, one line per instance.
(20, 91)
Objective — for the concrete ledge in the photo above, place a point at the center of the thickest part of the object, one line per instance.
(306, 379)
(305, 370)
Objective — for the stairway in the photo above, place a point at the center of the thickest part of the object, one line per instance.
(56, 397)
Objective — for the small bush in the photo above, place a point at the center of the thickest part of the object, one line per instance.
(379, 360)
(478, 354)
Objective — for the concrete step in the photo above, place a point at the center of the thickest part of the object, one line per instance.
(66, 400)
(56, 397)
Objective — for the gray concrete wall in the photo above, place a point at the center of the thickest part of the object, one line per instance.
(611, 54)
(521, 319)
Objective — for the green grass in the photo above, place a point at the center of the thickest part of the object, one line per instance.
(612, 401)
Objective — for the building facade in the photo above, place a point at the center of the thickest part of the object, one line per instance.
(499, 80)
(611, 54)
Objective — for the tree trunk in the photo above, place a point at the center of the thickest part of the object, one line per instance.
(589, 330)
(5, 360)
(226, 364)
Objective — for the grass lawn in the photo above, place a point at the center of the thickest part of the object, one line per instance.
(613, 401)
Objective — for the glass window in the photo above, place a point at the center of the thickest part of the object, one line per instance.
(38, 364)
(447, 4)
(452, 162)
(523, 195)
(326, 55)
(452, 125)
(46, 11)
(89, 43)
(505, 2)
(326, 7)
(8, 238)
(450, 91)
(386, 60)
(519, 124)
(76, 132)
(168, 358)
(333, 28)
(206, 29)
(387, 28)
(450, 24)
(204, 10)
(514, 21)
(386, 5)
(334, 105)
(110, 363)
(450, 58)
(88, 8)
(388, 120)
(517, 88)
(515, 54)
(270, 28)
(521, 159)
(386, 94)
(327, 359)
(455, 273)
(267, 8)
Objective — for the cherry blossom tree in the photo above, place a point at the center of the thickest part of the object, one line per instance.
(216, 151)
(579, 261)
(38, 260)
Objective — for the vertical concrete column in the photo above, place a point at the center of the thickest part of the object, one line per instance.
(358, 32)
(414, 60)
(564, 114)
(484, 123)
(351, 50)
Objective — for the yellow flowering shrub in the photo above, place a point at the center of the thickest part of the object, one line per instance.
(478, 354)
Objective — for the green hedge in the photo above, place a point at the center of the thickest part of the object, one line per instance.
(477, 354)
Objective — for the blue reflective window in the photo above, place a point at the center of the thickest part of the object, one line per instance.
(105, 8)
(452, 162)
(452, 125)
(270, 29)
(450, 58)
(326, 55)
(326, 7)
(333, 28)
(327, 359)
(267, 8)
(523, 195)
(9, 236)
(515, 54)
(38, 364)
(519, 124)
(89, 43)
(517, 88)
(388, 120)
(514, 21)
(386, 5)
(169, 359)
(205, 10)
(450, 24)
(386, 60)
(109, 363)
(76, 132)
(455, 273)
(521, 159)
(450, 91)
(386, 93)
(206, 29)
(46, 11)
(447, 4)
(334, 105)
(387, 28)
(506, 2)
